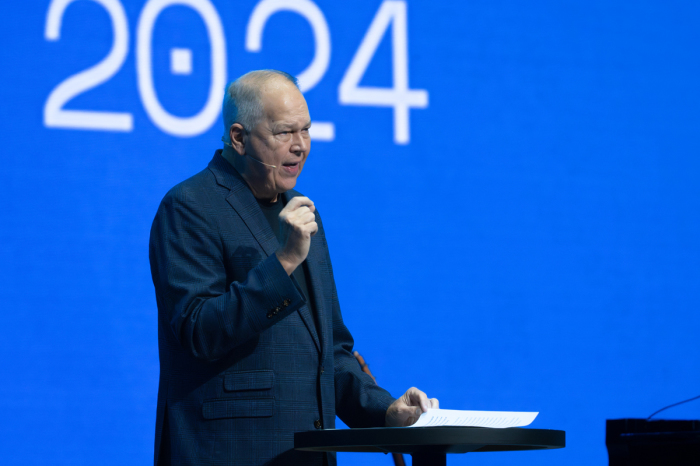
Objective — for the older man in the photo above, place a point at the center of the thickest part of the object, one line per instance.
(252, 342)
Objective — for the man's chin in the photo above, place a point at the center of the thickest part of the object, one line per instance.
(287, 184)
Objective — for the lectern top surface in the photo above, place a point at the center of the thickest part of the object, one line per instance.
(429, 439)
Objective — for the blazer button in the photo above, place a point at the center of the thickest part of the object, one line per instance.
(286, 302)
(277, 309)
(322, 370)
(269, 315)
(317, 423)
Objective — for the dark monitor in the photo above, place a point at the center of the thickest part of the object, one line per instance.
(642, 442)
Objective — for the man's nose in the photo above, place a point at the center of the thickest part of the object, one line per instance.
(299, 142)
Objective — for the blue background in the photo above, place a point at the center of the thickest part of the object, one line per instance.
(534, 247)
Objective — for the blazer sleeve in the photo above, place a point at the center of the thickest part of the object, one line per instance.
(359, 401)
(209, 317)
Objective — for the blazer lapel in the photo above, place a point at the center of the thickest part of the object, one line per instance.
(248, 208)
(315, 262)
(244, 203)
(305, 313)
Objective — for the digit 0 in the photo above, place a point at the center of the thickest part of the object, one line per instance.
(202, 121)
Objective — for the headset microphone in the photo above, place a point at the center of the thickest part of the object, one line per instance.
(253, 158)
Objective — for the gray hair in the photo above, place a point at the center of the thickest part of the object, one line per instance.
(243, 99)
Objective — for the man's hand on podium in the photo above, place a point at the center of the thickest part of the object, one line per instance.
(406, 410)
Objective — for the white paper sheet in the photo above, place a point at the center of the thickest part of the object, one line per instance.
(494, 419)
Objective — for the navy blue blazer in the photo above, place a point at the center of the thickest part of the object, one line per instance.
(242, 366)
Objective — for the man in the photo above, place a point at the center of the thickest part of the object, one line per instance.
(251, 339)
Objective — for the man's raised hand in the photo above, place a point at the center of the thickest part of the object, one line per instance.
(298, 224)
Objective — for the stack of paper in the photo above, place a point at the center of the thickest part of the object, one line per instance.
(495, 419)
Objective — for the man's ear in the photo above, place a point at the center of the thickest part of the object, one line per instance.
(236, 133)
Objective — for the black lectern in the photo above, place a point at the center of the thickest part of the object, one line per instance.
(640, 442)
(429, 445)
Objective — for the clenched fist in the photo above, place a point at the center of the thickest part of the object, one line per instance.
(298, 224)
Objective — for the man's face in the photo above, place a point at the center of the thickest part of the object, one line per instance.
(281, 138)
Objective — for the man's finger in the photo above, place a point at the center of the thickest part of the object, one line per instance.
(434, 403)
(299, 211)
(415, 397)
(308, 217)
(312, 228)
(295, 202)
(422, 400)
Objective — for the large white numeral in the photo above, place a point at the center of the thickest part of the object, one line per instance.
(201, 122)
(400, 97)
(308, 9)
(308, 78)
(54, 114)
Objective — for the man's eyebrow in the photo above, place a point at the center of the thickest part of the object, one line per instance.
(285, 125)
